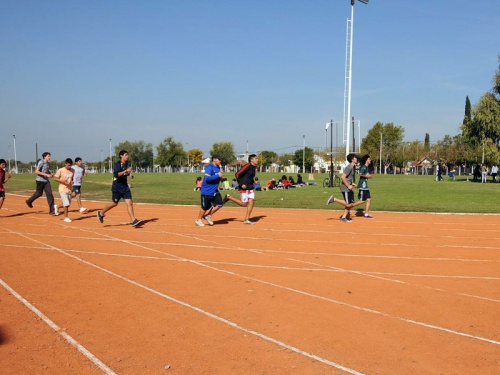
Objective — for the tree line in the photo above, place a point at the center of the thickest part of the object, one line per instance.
(478, 141)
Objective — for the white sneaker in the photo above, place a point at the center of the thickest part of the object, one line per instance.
(83, 209)
(199, 223)
(56, 210)
(67, 220)
(248, 222)
(208, 218)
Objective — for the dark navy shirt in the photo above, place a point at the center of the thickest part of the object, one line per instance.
(120, 184)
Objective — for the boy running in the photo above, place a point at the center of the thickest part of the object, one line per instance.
(3, 179)
(364, 190)
(65, 178)
(211, 200)
(120, 189)
(245, 177)
(79, 173)
(43, 183)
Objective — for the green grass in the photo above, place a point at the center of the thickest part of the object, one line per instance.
(389, 192)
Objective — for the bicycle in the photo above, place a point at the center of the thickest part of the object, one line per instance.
(336, 181)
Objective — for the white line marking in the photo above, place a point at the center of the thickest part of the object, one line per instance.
(206, 313)
(57, 329)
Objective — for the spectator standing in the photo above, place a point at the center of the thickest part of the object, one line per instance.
(484, 173)
(494, 172)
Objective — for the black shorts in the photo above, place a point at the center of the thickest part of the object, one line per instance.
(77, 189)
(117, 196)
(364, 195)
(348, 196)
(209, 201)
(2, 194)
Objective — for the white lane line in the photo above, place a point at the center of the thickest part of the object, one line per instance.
(293, 290)
(203, 312)
(57, 329)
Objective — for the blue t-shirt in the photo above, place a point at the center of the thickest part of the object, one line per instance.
(210, 185)
(120, 184)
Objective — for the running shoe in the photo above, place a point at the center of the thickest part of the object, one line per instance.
(67, 220)
(29, 204)
(208, 218)
(100, 216)
(199, 223)
(248, 222)
(345, 220)
(225, 199)
(368, 216)
(83, 209)
(330, 200)
(136, 222)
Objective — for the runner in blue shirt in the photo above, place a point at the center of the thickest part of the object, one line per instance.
(211, 200)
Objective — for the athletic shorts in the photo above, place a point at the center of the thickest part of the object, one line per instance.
(363, 195)
(117, 196)
(77, 189)
(209, 201)
(246, 195)
(2, 194)
(66, 198)
(348, 196)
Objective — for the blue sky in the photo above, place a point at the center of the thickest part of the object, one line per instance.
(74, 74)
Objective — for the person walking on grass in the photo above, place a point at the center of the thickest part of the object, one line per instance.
(79, 173)
(246, 177)
(4, 177)
(43, 183)
(120, 189)
(211, 200)
(64, 176)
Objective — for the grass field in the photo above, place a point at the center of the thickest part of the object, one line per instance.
(402, 193)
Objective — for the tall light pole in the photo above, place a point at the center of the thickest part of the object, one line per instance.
(348, 75)
(304, 154)
(330, 124)
(15, 153)
(100, 166)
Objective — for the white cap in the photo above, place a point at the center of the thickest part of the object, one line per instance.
(207, 160)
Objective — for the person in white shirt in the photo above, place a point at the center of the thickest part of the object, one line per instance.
(494, 172)
(79, 173)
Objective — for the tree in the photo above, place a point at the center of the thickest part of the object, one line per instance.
(392, 136)
(170, 153)
(468, 111)
(427, 143)
(140, 153)
(225, 150)
(195, 156)
(267, 158)
(309, 158)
